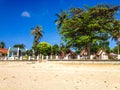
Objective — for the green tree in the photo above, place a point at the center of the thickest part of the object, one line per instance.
(38, 34)
(44, 48)
(115, 50)
(96, 46)
(22, 46)
(29, 52)
(55, 49)
(2, 45)
(116, 33)
(64, 47)
(86, 26)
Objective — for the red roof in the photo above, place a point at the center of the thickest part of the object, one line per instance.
(2, 50)
(83, 51)
(101, 50)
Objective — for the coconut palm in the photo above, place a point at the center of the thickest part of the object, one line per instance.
(38, 34)
(61, 17)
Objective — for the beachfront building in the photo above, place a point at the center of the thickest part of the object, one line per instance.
(101, 54)
(3, 52)
(84, 53)
(68, 55)
(16, 53)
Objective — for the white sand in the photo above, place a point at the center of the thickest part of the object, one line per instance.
(57, 76)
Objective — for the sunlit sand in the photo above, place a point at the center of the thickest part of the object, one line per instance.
(58, 76)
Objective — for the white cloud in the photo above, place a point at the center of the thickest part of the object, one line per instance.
(25, 14)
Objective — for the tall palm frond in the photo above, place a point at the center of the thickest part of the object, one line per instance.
(38, 34)
(61, 17)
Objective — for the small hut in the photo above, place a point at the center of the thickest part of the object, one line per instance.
(101, 54)
(68, 55)
(71, 54)
(84, 53)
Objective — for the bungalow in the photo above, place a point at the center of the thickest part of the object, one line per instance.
(68, 55)
(101, 54)
(84, 53)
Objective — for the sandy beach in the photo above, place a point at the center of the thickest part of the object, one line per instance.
(58, 76)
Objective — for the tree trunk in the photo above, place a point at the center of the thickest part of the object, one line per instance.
(88, 50)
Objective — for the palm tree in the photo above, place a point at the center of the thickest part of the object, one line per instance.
(61, 17)
(38, 34)
(2, 45)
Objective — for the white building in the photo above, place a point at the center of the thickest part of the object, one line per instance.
(101, 54)
(16, 53)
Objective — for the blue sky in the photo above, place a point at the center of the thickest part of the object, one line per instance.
(17, 17)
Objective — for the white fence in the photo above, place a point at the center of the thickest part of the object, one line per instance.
(51, 57)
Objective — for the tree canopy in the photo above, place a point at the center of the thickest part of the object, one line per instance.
(2, 44)
(84, 27)
(44, 48)
(22, 46)
(55, 49)
(29, 52)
